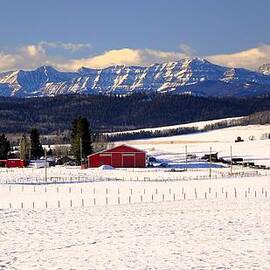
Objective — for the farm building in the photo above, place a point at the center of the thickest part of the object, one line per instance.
(12, 163)
(122, 156)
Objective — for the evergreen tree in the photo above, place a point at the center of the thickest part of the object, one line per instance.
(49, 152)
(81, 143)
(24, 148)
(4, 147)
(36, 147)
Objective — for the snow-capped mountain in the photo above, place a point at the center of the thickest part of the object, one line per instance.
(166, 77)
(265, 69)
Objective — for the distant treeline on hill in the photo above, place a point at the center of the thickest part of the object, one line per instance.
(259, 118)
(144, 134)
(114, 113)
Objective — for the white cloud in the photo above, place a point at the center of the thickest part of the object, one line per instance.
(35, 55)
(251, 58)
(67, 46)
(127, 57)
(27, 57)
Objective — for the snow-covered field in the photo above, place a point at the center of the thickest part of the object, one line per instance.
(130, 192)
(173, 148)
(191, 234)
(152, 218)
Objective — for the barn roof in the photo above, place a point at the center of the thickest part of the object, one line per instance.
(132, 149)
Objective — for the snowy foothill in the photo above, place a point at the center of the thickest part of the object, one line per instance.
(255, 146)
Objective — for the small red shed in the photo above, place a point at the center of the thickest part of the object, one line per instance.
(122, 156)
(13, 163)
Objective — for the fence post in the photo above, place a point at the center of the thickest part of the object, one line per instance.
(58, 204)
(82, 202)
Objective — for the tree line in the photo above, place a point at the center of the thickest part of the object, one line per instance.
(85, 141)
(30, 147)
(52, 115)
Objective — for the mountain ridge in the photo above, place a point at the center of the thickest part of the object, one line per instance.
(125, 80)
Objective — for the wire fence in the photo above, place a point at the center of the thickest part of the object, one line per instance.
(69, 179)
(41, 197)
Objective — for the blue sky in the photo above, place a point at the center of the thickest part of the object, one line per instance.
(68, 33)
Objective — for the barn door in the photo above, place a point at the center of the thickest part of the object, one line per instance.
(128, 160)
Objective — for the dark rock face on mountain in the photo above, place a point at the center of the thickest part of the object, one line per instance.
(195, 76)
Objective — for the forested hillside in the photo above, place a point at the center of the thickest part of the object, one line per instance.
(112, 113)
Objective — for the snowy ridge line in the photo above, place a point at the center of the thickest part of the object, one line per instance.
(200, 125)
(78, 180)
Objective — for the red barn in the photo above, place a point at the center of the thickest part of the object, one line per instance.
(122, 156)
